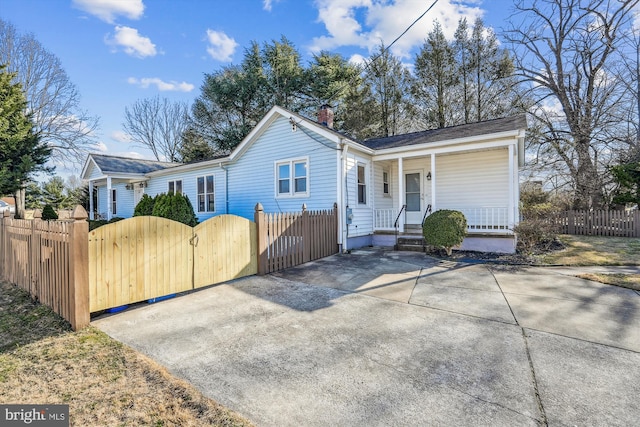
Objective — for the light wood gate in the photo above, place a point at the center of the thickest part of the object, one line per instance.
(140, 258)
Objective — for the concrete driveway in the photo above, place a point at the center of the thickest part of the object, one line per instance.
(379, 338)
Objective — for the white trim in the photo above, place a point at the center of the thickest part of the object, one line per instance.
(204, 177)
(364, 165)
(433, 183)
(437, 148)
(174, 185)
(400, 192)
(109, 195)
(385, 171)
(91, 207)
(292, 193)
(512, 202)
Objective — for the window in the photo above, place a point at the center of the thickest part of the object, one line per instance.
(206, 199)
(362, 185)
(292, 178)
(175, 186)
(113, 201)
(385, 183)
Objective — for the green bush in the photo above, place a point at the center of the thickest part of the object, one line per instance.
(445, 229)
(176, 207)
(144, 206)
(93, 224)
(49, 214)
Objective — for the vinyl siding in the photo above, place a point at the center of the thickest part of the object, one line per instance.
(382, 201)
(94, 172)
(160, 184)
(468, 180)
(124, 201)
(252, 176)
(362, 223)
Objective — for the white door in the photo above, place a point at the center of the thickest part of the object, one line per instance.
(137, 194)
(413, 197)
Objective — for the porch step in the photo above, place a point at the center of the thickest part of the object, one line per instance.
(410, 243)
(413, 228)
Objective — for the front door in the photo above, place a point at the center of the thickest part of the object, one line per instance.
(137, 194)
(413, 197)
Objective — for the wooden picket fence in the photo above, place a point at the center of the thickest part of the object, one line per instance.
(617, 223)
(49, 260)
(77, 272)
(293, 238)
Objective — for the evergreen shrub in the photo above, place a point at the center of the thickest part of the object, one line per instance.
(445, 229)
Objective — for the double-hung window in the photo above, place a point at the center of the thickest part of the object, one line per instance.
(175, 187)
(206, 199)
(362, 185)
(113, 201)
(385, 183)
(292, 178)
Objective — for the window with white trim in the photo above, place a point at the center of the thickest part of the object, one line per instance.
(175, 187)
(113, 201)
(292, 178)
(206, 199)
(385, 183)
(362, 185)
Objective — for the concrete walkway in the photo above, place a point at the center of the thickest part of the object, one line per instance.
(398, 338)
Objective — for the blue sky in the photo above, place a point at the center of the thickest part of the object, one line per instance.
(118, 51)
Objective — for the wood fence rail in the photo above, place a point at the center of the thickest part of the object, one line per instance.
(617, 223)
(292, 238)
(49, 259)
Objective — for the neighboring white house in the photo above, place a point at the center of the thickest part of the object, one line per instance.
(288, 160)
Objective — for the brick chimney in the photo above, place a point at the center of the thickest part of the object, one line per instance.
(325, 116)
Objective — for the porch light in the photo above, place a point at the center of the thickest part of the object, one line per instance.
(129, 187)
(429, 176)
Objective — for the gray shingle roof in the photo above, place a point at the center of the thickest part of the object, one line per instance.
(453, 132)
(114, 164)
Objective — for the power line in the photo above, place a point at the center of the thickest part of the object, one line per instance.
(384, 50)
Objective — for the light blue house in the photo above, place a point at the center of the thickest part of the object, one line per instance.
(288, 160)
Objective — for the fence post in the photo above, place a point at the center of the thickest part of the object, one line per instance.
(306, 235)
(34, 287)
(3, 245)
(261, 233)
(79, 269)
(335, 248)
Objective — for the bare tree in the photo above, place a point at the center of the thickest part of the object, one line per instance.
(53, 100)
(157, 124)
(566, 52)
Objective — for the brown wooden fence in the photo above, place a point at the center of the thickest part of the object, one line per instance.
(76, 272)
(49, 260)
(289, 239)
(618, 223)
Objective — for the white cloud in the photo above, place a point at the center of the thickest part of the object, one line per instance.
(107, 10)
(367, 23)
(268, 4)
(221, 47)
(120, 136)
(131, 42)
(101, 146)
(160, 84)
(358, 59)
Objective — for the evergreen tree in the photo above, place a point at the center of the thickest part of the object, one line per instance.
(21, 152)
(435, 71)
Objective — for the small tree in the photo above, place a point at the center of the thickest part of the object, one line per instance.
(144, 206)
(176, 207)
(445, 229)
(49, 214)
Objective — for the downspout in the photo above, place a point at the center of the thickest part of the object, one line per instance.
(226, 187)
(343, 215)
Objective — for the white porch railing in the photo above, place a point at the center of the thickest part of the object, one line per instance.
(479, 220)
(383, 218)
(486, 219)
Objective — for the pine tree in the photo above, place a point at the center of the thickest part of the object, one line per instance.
(21, 152)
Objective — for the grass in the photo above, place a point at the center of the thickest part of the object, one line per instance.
(595, 250)
(598, 250)
(103, 381)
(631, 281)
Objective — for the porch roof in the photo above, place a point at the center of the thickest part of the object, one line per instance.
(453, 132)
(115, 165)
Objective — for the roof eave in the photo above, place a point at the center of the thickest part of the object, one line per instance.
(457, 141)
